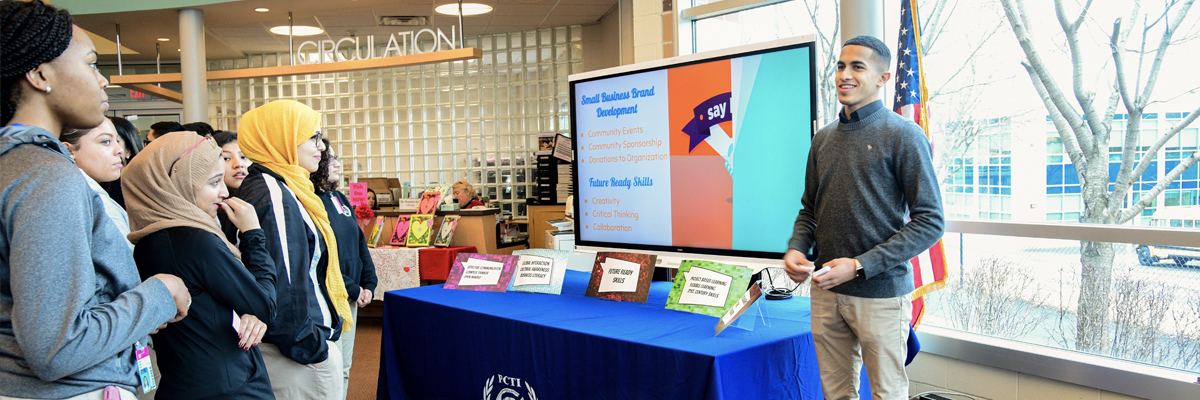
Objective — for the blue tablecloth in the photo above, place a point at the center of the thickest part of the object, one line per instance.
(456, 344)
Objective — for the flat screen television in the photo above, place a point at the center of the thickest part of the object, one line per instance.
(698, 154)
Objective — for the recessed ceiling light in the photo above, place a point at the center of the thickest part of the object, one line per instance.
(260, 9)
(163, 39)
(300, 30)
(467, 9)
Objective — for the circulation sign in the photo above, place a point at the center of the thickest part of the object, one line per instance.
(398, 44)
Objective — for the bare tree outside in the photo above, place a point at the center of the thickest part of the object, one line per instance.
(956, 102)
(829, 45)
(999, 298)
(1139, 309)
(1187, 332)
(1083, 118)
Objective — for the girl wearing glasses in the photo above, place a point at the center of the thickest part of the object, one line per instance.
(174, 190)
(74, 309)
(283, 141)
(358, 270)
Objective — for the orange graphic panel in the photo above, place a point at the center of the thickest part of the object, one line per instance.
(691, 86)
(701, 202)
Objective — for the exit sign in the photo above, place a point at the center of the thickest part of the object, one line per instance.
(133, 94)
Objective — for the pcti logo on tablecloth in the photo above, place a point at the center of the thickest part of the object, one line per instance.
(507, 388)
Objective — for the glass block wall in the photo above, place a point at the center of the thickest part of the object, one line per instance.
(432, 124)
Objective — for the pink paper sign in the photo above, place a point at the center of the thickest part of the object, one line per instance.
(358, 194)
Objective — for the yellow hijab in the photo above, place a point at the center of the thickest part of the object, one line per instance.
(158, 199)
(269, 136)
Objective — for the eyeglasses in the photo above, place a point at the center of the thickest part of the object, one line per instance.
(171, 170)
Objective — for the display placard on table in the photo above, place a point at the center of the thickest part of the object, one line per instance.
(706, 287)
(420, 230)
(400, 234)
(621, 276)
(358, 194)
(446, 231)
(429, 202)
(558, 270)
(408, 205)
(744, 303)
(538, 274)
(481, 272)
(375, 232)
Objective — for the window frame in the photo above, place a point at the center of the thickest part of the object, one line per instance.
(1120, 376)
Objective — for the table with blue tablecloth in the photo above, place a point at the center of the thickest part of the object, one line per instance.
(455, 344)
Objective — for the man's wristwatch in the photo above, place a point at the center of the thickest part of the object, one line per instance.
(858, 270)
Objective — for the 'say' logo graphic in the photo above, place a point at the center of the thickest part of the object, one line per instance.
(507, 388)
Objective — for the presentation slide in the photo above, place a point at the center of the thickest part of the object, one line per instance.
(706, 156)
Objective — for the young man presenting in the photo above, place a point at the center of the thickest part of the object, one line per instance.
(871, 202)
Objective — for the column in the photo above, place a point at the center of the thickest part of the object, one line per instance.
(192, 64)
(861, 17)
(647, 30)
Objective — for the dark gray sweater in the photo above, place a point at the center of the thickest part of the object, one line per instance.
(71, 303)
(865, 179)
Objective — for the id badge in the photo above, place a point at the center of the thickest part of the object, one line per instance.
(145, 369)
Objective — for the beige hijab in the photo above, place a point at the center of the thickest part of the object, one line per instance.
(157, 201)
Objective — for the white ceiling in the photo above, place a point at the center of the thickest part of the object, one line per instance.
(235, 29)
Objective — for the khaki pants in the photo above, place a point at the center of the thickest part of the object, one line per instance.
(92, 395)
(849, 332)
(346, 345)
(291, 381)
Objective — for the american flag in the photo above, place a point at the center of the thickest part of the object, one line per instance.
(929, 268)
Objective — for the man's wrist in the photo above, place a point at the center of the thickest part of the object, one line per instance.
(858, 269)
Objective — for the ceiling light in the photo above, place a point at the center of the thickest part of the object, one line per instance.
(260, 9)
(300, 30)
(467, 9)
(163, 39)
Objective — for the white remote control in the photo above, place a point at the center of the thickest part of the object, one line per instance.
(821, 271)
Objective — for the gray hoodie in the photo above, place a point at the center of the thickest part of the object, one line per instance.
(71, 302)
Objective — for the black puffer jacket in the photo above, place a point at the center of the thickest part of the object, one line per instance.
(358, 270)
(303, 321)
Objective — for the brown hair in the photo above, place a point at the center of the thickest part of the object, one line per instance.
(71, 136)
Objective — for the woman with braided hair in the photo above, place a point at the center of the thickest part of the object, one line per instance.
(74, 311)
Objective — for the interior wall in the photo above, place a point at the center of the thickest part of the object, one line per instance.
(647, 30)
(627, 30)
(934, 373)
(602, 42)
